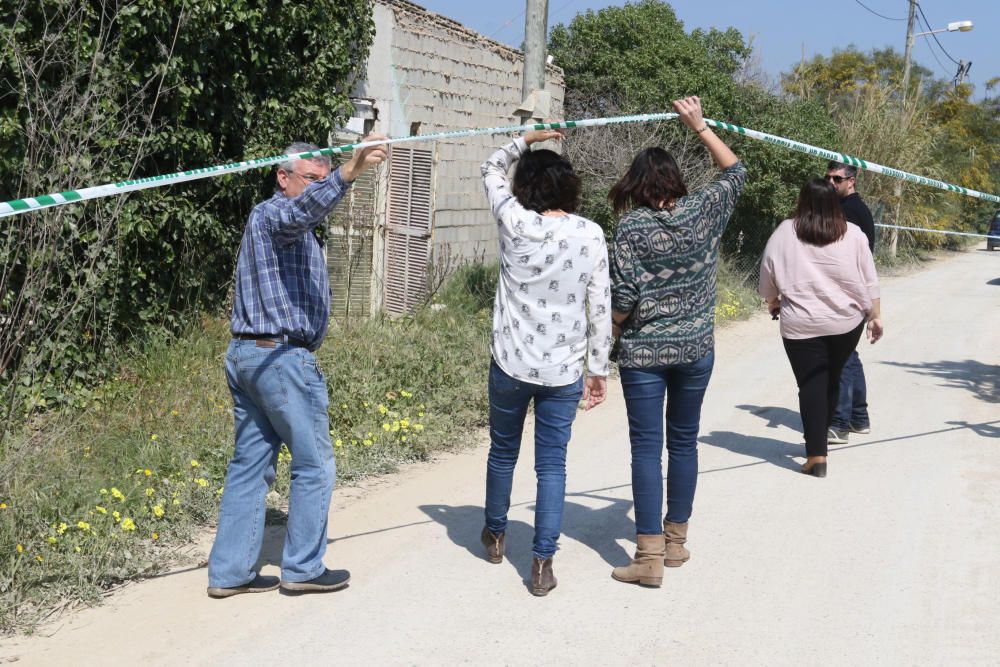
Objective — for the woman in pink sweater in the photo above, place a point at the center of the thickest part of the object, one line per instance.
(819, 275)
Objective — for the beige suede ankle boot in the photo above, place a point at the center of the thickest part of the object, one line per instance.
(675, 535)
(647, 566)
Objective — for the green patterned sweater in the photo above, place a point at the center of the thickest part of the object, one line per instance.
(663, 268)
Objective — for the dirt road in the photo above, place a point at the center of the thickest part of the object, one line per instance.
(892, 559)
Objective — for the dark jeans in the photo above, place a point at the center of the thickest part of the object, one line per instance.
(684, 387)
(817, 364)
(555, 410)
(852, 407)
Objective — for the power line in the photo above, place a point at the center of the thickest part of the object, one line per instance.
(506, 25)
(881, 16)
(930, 48)
(928, 26)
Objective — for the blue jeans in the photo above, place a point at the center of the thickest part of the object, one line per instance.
(555, 410)
(279, 395)
(852, 407)
(684, 386)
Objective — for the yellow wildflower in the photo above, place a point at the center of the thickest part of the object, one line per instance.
(194, 463)
(52, 540)
(158, 511)
(176, 502)
(149, 492)
(116, 494)
(39, 558)
(104, 492)
(403, 439)
(421, 406)
(100, 509)
(83, 525)
(202, 482)
(174, 413)
(76, 549)
(405, 423)
(382, 409)
(386, 427)
(395, 426)
(117, 515)
(3, 506)
(128, 524)
(364, 403)
(62, 528)
(420, 414)
(418, 427)
(339, 442)
(153, 437)
(147, 472)
(405, 394)
(367, 443)
(343, 406)
(370, 434)
(20, 548)
(156, 536)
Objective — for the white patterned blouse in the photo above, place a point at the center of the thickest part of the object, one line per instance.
(553, 301)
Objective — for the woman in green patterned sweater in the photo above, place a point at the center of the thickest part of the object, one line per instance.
(663, 269)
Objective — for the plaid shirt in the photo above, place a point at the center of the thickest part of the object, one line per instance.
(282, 286)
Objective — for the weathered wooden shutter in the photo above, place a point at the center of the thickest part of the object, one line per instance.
(349, 249)
(408, 229)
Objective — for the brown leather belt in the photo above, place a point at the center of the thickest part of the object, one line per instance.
(271, 341)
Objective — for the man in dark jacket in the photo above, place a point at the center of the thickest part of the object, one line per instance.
(851, 415)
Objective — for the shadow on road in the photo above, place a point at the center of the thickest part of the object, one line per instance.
(983, 380)
(597, 528)
(775, 416)
(601, 528)
(768, 450)
(464, 524)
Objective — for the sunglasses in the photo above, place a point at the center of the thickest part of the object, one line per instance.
(837, 179)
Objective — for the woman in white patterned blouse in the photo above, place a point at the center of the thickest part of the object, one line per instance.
(552, 314)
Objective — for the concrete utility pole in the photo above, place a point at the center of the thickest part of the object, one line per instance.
(908, 51)
(898, 187)
(536, 29)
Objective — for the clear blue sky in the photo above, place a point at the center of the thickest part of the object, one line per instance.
(782, 29)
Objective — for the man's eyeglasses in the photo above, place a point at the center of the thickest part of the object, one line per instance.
(837, 179)
(308, 178)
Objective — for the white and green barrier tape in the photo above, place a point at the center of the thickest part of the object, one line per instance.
(39, 202)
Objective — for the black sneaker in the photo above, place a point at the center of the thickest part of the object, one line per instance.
(836, 437)
(863, 429)
(330, 580)
(260, 584)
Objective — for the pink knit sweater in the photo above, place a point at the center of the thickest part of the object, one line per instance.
(824, 291)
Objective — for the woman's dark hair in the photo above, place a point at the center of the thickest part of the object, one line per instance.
(652, 180)
(545, 181)
(819, 220)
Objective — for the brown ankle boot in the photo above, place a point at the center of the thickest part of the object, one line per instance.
(647, 566)
(542, 579)
(675, 535)
(493, 544)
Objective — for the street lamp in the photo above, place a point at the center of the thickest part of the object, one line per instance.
(954, 26)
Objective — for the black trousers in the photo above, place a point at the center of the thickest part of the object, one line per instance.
(817, 363)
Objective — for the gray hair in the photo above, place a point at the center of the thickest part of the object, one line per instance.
(302, 147)
(849, 170)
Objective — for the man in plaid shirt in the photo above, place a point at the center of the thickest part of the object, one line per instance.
(280, 316)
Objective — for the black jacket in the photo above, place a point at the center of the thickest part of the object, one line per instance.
(857, 212)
